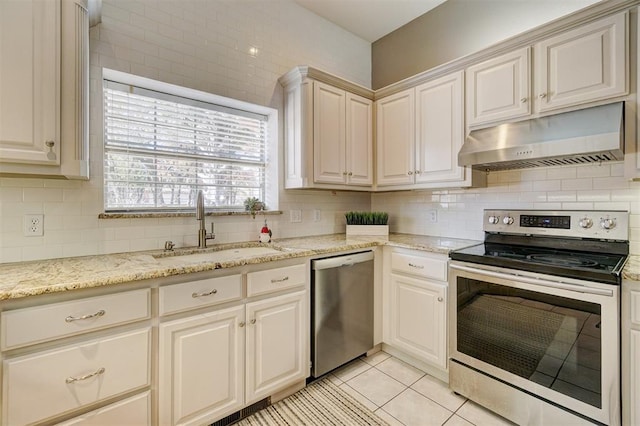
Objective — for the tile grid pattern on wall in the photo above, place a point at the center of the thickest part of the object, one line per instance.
(459, 212)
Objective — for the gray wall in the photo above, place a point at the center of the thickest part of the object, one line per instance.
(457, 28)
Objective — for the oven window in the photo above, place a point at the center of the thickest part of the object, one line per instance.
(550, 340)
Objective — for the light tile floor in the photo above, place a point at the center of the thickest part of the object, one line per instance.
(403, 395)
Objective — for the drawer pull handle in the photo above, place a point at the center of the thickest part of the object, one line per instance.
(98, 372)
(100, 313)
(273, 281)
(416, 266)
(206, 293)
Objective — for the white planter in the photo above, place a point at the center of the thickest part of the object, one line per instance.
(377, 232)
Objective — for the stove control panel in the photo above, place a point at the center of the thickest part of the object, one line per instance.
(606, 225)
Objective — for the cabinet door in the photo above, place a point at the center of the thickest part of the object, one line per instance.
(359, 153)
(635, 377)
(395, 127)
(29, 81)
(582, 65)
(499, 88)
(201, 363)
(417, 321)
(439, 130)
(277, 338)
(328, 134)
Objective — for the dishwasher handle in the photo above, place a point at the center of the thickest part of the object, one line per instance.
(339, 261)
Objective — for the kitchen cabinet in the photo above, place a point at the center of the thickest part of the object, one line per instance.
(395, 139)
(499, 89)
(575, 67)
(414, 307)
(201, 367)
(328, 132)
(230, 352)
(44, 88)
(98, 361)
(630, 352)
(419, 133)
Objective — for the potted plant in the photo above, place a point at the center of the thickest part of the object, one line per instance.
(371, 224)
(253, 205)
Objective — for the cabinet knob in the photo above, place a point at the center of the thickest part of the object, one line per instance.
(344, 173)
(523, 100)
(253, 321)
(350, 173)
(410, 173)
(241, 324)
(440, 299)
(417, 172)
(50, 144)
(542, 95)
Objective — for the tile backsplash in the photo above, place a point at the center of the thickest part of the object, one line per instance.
(239, 49)
(459, 211)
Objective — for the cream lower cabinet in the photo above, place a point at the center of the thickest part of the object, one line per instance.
(63, 359)
(414, 306)
(232, 351)
(630, 352)
(201, 367)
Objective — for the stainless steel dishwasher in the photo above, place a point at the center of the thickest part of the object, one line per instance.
(341, 310)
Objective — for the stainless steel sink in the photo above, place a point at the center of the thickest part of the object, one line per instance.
(224, 255)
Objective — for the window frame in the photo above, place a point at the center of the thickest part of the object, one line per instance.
(271, 187)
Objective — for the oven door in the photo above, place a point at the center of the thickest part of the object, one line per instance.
(552, 338)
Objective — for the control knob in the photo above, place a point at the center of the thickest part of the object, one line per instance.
(507, 220)
(608, 223)
(494, 219)
(585, 223)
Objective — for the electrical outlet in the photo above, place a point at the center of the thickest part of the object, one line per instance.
(432, 216)
(33, 225)
(296, 216)
(316, 215)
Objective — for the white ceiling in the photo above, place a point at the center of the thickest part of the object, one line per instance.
(369, 19)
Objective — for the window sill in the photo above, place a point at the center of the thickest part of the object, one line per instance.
(155, 215)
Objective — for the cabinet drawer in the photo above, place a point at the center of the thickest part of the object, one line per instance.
(275, 279)
(635, 307)
(423, 266)
(134, 411)
(40, 323)
(46, 384)
(198, 294)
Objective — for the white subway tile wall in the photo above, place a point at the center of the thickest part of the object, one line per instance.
(600, 187)
(239, 49)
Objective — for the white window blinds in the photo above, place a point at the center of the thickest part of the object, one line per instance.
(160, 149)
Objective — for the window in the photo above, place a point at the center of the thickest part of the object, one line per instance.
(161, 148)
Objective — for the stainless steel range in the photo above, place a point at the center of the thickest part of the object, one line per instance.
(535, 316)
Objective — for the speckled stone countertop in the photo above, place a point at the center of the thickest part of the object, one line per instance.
(34, 278)
(632, 269)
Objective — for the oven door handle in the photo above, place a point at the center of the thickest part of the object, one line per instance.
(536, 281)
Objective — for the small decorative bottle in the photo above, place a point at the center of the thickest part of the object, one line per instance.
(265, 233)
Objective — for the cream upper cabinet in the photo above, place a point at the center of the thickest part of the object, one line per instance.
(576, 67)
(499, 89)
(44, 80)
(328, 132)
(30, 81)
(419, 134)
(439, 130)
(395, 139)
(342, 137)
(583, 65)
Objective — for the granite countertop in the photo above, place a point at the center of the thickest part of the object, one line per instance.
(23, 279)
(632, 269)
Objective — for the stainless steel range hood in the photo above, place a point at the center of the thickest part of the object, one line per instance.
(589, 135)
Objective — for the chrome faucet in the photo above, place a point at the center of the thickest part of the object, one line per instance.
(203, 236)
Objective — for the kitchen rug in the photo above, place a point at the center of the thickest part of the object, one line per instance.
(509, 335)
(319, 404)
